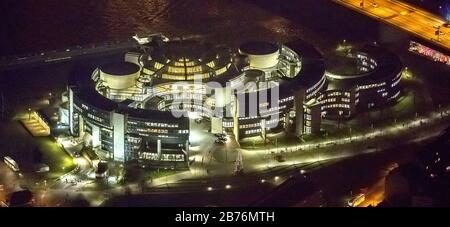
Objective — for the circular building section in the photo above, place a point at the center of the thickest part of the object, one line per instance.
(187, 60)
(261, 55)
(120, 75)
(366, 79)
(289, 86)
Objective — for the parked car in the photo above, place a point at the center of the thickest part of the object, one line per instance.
(42, 168)
(280, 158)
(219, 141)
(102, 170)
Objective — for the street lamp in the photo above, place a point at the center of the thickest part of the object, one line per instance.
(438, 32)
(276, 144)
(340, 116)
(350, 131)
(29, 113)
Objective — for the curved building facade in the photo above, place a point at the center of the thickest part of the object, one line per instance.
(140, 109)
(124, 132)
(261, 54)
(375, 83)
(119, 75)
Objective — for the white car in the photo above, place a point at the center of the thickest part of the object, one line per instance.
(358, 199)
(43, 169)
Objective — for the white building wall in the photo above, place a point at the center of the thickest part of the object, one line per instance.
(71, 110)
(95, 136)
(118, 121)
(64, 116)
(133, 57)
(216, 125)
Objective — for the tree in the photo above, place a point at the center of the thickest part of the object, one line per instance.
(21, 199)
(37, 156)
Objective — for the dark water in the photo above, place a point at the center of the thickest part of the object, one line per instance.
(35, 25)
(32, 26)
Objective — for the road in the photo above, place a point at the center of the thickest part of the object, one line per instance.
(394, 130)
(375, 193)
(14, 62)
(258, 164)
(9, 182)
(404, 16)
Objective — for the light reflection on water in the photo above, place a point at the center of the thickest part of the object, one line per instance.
(50, 24)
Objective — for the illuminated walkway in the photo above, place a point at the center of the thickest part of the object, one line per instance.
(254, 163)
(404, 16)
(259, 166)
(396, 129)
(35, 124)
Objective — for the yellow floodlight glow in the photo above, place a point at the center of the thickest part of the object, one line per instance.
(80, 161)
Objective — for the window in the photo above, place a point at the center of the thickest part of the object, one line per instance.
(148, 156)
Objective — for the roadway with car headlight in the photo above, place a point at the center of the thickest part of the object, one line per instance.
(404, 16)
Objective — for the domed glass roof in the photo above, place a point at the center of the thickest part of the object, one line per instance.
(182, 60)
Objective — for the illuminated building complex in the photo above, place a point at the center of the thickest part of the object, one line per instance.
(140, 109)
(374, 83)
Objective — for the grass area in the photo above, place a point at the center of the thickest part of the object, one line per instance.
(43, 149)
(403, 109)
(98, 185)
(136, 174)
(153, 174)
(252, 143)
(59, 161)
(20, 115)
(342, 49)
(279, 140)
(311, 137)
